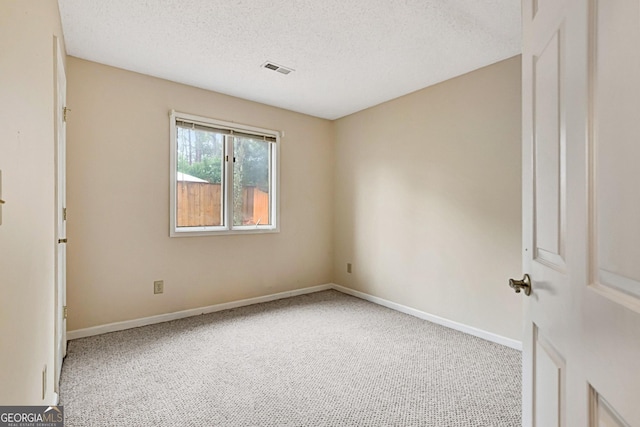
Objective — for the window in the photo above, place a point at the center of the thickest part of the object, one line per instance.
(223, 177)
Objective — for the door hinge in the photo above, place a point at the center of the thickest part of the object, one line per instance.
(64, 113)
(62, 240)
(64, 312)
(64, 214)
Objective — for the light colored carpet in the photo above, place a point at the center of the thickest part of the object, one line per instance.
(324, 359)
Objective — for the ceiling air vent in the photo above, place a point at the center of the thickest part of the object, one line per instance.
(275, 67)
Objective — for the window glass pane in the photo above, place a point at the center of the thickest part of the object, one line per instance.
(251, 182)
(199, 195)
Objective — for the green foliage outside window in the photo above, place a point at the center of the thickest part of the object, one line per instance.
(200, 155)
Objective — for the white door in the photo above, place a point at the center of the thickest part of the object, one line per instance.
(61, 230)
(581, 212)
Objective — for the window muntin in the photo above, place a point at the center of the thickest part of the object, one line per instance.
(223, 177)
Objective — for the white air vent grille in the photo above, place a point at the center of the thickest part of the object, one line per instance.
(275, 67)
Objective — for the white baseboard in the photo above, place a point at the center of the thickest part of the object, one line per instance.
(135, 323)
(128, 324)
(489, 336)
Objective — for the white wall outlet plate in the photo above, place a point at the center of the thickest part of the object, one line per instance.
(158, 286)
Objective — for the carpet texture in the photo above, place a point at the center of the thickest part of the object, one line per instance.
(324, 359)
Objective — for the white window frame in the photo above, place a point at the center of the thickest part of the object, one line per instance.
(227, 184)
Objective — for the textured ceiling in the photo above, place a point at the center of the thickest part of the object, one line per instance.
(347, 54)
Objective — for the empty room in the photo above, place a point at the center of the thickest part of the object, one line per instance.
(319, 213)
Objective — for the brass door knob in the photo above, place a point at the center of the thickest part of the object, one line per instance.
(518, 285)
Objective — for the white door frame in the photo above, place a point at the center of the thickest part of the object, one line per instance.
(60, 337)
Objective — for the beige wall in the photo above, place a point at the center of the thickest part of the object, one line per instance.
(428, 199)
(118, 201)
(27, 267)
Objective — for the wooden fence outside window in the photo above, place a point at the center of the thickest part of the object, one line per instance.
(199, 204)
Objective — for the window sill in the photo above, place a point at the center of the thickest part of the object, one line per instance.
(201, 231)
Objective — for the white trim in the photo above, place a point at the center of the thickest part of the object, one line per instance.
(135, 323)
(489, 336)
(172, 172)
(56, 399)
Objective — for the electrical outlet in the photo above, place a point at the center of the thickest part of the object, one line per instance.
(158, 286)
(349, 267)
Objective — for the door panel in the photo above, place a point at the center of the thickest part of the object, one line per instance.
(615, 89)
(549, 156)
(549, 384)
(602, 415)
